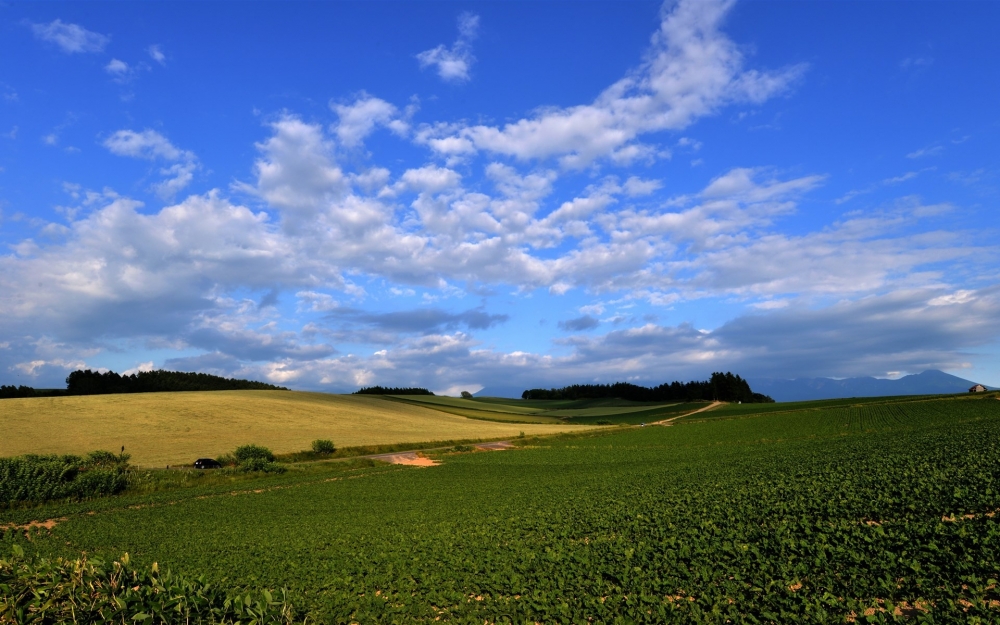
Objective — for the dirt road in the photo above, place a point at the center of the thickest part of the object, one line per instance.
(415, 459)
(712, 405)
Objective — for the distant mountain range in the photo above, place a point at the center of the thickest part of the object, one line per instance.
(805, 389)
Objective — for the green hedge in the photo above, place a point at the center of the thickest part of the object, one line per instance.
(38, 591)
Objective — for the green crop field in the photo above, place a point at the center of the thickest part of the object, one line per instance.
(158, 429)
(852, 512)
(580, 411)
(735, 410)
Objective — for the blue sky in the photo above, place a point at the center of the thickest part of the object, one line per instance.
(499, 195)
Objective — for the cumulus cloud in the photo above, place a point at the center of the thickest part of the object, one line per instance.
(152, 146)
(692, 70)
(296, 171)
(343, 234)
(70, 38)
(361, 117)
(148, 144)
(454, 64)
(123, 273)
(117, 68)
(636, 187)
(900, 331)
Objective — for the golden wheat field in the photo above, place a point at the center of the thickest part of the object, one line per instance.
(176, 428)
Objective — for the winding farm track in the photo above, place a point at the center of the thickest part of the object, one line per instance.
(413, 458)
(669, 421)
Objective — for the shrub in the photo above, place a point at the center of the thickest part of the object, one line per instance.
(106, 459)
(249, 459)
(323, 446)
(252, 452)
(252, 465)
(466, 395)
(463, 448)
(227, 460)
(91, 591)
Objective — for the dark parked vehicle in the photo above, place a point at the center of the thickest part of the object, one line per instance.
(207, 463)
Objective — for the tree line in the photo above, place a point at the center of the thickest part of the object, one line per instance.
(96, 383)
(720, 387)
(11, 392)
(87, 382)
(385, 390)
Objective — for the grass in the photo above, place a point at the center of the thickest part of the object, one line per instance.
(580, 411)
(798, 516)
(160, 429)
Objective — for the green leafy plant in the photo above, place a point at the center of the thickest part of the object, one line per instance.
(323, 446)
(36, 479)
(93, 591)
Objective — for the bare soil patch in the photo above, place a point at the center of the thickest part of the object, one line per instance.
(47, 524)
(411, 459)
(497, 446)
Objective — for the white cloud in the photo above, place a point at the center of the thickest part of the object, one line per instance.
(148, 144)
(359, 119)
(454, 64)
(70, 38)
(861, 337)
(455, 390)
(887, 182)
(296, 171)
(931, 150)
(31, 368)
(141, 367)
(468, 26)
(117, 68)
(121, 273)
(910, 175)
(156, 53)
(636, 187)
(152, 146)
(177, 177)
(316, 302)
(429, 179)
(692, 70)
(121, 72)
(337, 230)
(962, 296)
